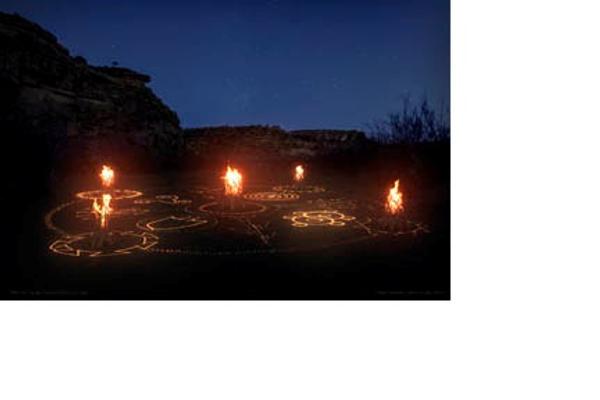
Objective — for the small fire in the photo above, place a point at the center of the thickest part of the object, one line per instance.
(299, 175)
(394, 200)
(102, 211)
(233, 182)
(107, 175)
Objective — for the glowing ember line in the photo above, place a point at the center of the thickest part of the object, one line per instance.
(102, 211)
(233, 182)
(107, 176)
(394, 203)
(299, 173)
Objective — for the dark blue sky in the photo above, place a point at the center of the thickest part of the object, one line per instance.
(298, 64)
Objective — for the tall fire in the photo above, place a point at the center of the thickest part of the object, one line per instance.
(107, 175)
(102, 211)
(233, 182)
(394, 203)
(299, 173)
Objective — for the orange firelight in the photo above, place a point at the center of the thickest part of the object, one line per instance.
(233, 182)
(394, 200)
(107, 176)
(102, 211)
(299, 175)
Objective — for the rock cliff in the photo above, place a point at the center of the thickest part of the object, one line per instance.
(58, 110)
(272, 142)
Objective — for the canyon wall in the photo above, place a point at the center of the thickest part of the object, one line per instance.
(273, 143)
(58, 109)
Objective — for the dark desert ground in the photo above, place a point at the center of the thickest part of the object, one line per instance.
(230, 261)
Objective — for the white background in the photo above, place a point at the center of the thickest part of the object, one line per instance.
(523, 320)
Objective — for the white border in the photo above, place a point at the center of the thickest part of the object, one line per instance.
(523, 322)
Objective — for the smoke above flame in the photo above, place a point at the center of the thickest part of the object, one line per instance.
(394, 204)
(299, 173)
(107, 175)
(233, 182)
(102, 211)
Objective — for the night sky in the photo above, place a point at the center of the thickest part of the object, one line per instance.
(297, 64)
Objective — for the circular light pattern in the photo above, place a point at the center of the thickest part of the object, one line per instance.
(368, 222)
(299, 188)
(115, 244)
(272, 196)
(86, 215)
(49, 219)
(303, 219)
(172, 223)
(116, 194)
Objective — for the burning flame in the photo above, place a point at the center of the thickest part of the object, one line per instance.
(394, 200)
(107, 175)
(299, 175)
(233, 182)
(103, 210)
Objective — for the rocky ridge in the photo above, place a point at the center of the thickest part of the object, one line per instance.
(272, 142)
(75, 115)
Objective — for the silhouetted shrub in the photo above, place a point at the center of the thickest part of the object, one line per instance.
(413, 124)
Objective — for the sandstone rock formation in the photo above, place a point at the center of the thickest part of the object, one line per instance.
(58, 110)
(272, 142)
(330, 141)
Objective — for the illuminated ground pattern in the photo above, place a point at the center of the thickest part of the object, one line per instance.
(304, 219)
(272, 196)
(116, 244)
(117, 194)
(301, 188)
(202, 222)
(171, 199)
(242, 208)
(86, 215)
(172, 223)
